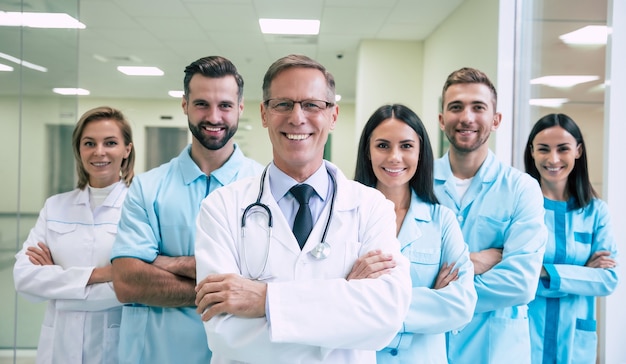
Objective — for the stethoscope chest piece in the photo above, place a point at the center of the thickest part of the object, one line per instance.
(321, 251)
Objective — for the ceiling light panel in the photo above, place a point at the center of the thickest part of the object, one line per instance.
(563, 81)
(140, 71)
(290, 26)
(588, 35)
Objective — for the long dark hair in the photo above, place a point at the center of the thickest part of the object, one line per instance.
(578, 183)
(422, 180)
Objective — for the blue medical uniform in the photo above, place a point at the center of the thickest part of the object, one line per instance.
(563, 315)
(502, 208)
(429, 237)
(159, 218)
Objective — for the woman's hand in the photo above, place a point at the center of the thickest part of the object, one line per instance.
(601, 259)
(446, 274)
(39, 255)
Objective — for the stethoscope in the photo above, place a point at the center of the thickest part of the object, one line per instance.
(320, 251)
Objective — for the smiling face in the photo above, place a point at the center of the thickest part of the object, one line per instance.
(298, 137)
(212, 110)
(102, 151)
(394, 150)
(468, 116)
(555, 151)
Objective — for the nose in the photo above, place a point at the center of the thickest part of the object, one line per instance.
(395, 154)
(553, 157)
(213, 114)
(99, 149)
(467, 115)
(297, 116)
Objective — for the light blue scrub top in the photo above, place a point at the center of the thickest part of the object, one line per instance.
(430, 237)
(563, 316)
(159, 218)
(502, 208)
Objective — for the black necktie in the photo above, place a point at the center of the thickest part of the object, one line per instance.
(303, 223)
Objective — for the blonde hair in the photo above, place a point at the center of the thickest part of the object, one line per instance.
(104, 113)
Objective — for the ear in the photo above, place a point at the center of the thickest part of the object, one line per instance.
(241, 107)
(497, 119)
(441, 125)
(263, 115)
(128, 149)
(579, 150)
(334, 115)
(184, 105)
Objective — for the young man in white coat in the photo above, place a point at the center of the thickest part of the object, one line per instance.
(500, 211)
(265, 297)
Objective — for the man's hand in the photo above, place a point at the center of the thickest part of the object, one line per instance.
(40, 255)
(484, 260)
(601, 259)
(184, 266)
(446, 274)
(230, 293)
(372, 265)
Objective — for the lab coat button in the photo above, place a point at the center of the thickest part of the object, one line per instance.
(455, 332)
(460, 218)
(393, 352)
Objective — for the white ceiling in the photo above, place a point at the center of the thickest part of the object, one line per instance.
(170, 34)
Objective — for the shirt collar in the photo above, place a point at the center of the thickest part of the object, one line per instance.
(281, 183)
(224, 175)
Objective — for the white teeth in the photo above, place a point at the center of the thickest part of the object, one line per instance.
(208, 128)
(297, 136)
(100, 164)
(393, 170)
(552, 169)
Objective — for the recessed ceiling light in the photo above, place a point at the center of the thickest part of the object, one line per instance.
(337, 98)
(589, 35)
(290, 26)
(5, 68)
(70, 91)
(23, 63)
(39, 20)
(563, 81)
(176, 93)
(554, 103)
(140, 71)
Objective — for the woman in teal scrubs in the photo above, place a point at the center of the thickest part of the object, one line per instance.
(395, 157)
(581, 255)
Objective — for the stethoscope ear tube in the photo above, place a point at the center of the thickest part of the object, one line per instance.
(322, 249)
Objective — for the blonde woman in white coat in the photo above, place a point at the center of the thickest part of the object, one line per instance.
(65, 259)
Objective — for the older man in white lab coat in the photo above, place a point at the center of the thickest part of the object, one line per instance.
(265, 299)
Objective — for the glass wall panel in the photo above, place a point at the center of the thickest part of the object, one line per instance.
(543, 54)
(27, 106)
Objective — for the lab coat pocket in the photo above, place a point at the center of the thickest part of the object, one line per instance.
(585, 341)
(425, 264)
(509, 339)
(489, 232)
(111, 342)
(46, 342)
(582, 248)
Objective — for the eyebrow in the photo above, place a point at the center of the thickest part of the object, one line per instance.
(401, 141)
(558, 145)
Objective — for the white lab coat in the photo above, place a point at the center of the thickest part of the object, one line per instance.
(81, 322)
(316, 315)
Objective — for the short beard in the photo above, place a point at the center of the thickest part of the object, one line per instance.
(209, 142)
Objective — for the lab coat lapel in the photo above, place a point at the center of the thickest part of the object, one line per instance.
(281, 233)
(410, 230)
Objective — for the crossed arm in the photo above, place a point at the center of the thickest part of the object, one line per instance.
(166, 282)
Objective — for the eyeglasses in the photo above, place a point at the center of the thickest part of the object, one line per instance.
(285, 106)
